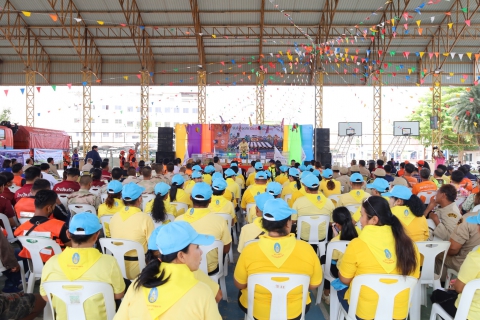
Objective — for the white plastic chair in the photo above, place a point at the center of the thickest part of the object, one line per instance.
(145, 199)
(158, 224)
(35, 246)
(77, 208)
(431, 224)
(65, 291)
(180, 206)
(476, 208)
(8, 228)
(247, 210)
(386, 293)
(218, 277)
(228, 219)
(314, 222)
(334, 198)
(119, 247)
(287, 197)
(279, 291)
(427, 195)
(353, 208)
(63, 199)
(96, 191)
(105, 220)
(14, 188)
(103, 197)
(464, 305)
(22, 273)
(453, 272)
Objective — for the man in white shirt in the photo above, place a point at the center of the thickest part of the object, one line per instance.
(216, 164)
(45, 167)
(177, 166)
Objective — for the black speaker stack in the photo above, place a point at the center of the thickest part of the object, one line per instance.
(322, 146)
(165, 146)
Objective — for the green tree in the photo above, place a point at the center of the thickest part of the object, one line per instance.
(5, 115)
(423, 112)
(466, 113)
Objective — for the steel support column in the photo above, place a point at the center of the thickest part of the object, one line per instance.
(318, 99)
(260, 97)
(30, 96)
(202, 97)
(144, 102)
(436, 110)
(87, 110)
(377, 115)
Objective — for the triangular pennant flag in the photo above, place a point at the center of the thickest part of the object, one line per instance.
(420, 31)
(469, 55)
(450, 25)
(6, 92)
(78, 19)
(418, 22)
(54, 87)
(421, 54)
(139, 76)
(22, 90)
(69, 85)
(100, 22)
(432, 19)
(38, 89)
(477, 55)
(452, 54)
(406, 54)
(467, 22)
(460, 55)
(54, 17)
(125, 77)
(26, 13)
(84, 83)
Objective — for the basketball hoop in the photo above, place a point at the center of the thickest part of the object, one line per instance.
(350, 132)
(406, 131)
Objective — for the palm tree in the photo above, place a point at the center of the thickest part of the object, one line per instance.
(466, 112)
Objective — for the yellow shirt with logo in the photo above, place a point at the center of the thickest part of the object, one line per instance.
(240, 180)
(282, 178)
(221, 205)
(289, 187)
(132, 224)
(356, 216)
(352, 198)
(206, 222)
(233, 187)
(183, 197)
(416, 227)
(207, 178)
(249, 232)
(104, 210)
(251, 192)
(328, 193)
(311, 205)
(296, 194)
(105, 269)
(300, 260)
(359, 259)
(337, 255)
(188, 186)
(170, 209)
(470, 270)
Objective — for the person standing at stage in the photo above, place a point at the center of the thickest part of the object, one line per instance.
(122, 159)
(243, 148)
(75, 159)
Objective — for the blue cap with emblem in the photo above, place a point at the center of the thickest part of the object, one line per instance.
(196, 168)
(84, 223)
(379, 184)
(274, 188)
(303, 168)
(233, 164)
(261, 199)
(293, 172)
(258, 166)
(356, 177)
(201, 191)
(316, 173)
(209, 169)
(219, 184)
(474, 219)
(175, 236)
(260, 175)
(310, 181)
(114, 186)
(217, 175)
(327, 173)
(400, 192)
(304, 174)
(178, 179)
(229, 173)
(309, 167)
(132, 191)
(269, 174)
(196, 174)
(161, 188)
(277, 210)
(283, 168)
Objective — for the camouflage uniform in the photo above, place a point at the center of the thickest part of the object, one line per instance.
(168, 176)
(83, 196)
(149, 185)
(160, 178)
(130, 179)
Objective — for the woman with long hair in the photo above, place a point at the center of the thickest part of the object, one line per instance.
(293, 183)
(113, 203)
(167, 287)
(328, 185)
(177, 194)
(383, 247)
(408, 208)
(160, 206)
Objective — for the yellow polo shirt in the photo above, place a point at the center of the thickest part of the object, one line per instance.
(206, 222)
(233, 187)
(296, 194)
(310, 205)
(281, 178)
(337, 255)
(170, 209)
(207, 178)
(470, 270)
(289, 187)
(302, 260)
(240, 180)
(417, 229)
(251, 192)
(105, 269)
(132, 224)
(352, 198)
(356, 216)
(104, 210)
(221, 205)
(250, 179)
(328, 193)
(249, 232)
(358, 260)
(183, 197)
(188, 186)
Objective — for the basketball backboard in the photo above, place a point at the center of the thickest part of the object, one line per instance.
(349, 129)
(406, 128)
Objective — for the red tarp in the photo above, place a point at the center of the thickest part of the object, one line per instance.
(31, 138)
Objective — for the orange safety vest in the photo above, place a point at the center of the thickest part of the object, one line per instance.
(53, 227)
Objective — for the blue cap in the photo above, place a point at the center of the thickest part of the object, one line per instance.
(400, 192)
(178, 179)
(258, 166)
(233, 164)
(293, 172)
(304, 174)
(209, 169)
(316, 173)
(379, 184)
(201, 191)
(132, 191)
(161, 188)
(196, 175)
(196, 168)
(229, 173)
(472, 219)
(260, 175)
(84, 220)
(175, 236)
(283, 168)
(219, 184)
(327, 173)
(276, 210)
(261, 199)
(274, 188)
(269, 174)
(303, 168)
(114, 186)
(217, 175)
(309, 167)
(356, 177)
(310, 181)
